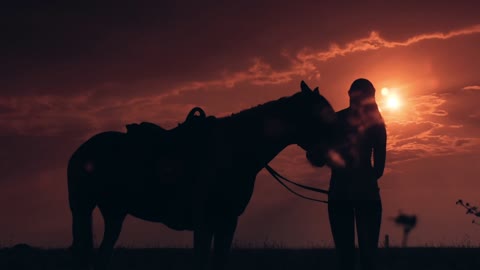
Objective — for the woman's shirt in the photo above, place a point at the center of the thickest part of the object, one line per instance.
(353, 174)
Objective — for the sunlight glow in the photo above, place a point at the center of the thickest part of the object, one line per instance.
(385, 91)
(391, 101)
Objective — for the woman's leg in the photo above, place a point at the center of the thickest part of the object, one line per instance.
(368, 215)
(341, 217)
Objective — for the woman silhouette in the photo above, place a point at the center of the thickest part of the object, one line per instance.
(354, 197)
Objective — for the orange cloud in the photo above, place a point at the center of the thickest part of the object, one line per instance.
(423, 131)
(304, 63)
(375, 42)
(471, 87)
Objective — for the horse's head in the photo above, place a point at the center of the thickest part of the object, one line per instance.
(315, 119)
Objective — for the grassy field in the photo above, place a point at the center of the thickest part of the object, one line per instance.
(392, 258)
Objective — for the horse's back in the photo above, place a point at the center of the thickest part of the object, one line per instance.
(104, 148)
(100, 142)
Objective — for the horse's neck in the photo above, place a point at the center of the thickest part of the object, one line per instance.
(255, 143)
(268, 154)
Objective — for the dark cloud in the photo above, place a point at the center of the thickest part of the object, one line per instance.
(461, 142)
(61, 49)
(25, 156)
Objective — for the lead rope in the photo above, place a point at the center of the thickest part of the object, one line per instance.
(279, 178)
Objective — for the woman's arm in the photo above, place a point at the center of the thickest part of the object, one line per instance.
(379, 150)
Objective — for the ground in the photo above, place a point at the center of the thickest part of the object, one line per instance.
(24, 257)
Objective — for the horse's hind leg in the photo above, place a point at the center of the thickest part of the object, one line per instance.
(81, 207)
(113, 225)
(82, 247)
(224, 230)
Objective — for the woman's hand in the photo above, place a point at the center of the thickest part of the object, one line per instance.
(316, 158)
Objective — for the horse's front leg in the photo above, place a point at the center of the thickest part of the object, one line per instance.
(224, 231)
(202, 241)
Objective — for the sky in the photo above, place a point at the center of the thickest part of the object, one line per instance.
(69, 72)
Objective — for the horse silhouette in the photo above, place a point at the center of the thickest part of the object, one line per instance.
(198, 176)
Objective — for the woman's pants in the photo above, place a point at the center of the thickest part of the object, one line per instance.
(367, 215)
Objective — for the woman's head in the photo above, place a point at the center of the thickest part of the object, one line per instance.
(361, 91)
(362, 100)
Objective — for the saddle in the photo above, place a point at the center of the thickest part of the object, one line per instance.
(193, 122)
(151, 141)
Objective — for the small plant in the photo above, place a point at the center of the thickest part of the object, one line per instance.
(471, 210)
(408, 222)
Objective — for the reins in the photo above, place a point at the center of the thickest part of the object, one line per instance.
(279, 179)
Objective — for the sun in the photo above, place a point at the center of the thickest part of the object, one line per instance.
(391, 100)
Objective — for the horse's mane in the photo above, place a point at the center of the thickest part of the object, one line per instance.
(279, 104)
(274, 104)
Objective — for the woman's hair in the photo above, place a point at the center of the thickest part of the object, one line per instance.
(362, 92)
(363, 87)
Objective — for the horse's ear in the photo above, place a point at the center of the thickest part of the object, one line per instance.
(304, 87)
(316, 91)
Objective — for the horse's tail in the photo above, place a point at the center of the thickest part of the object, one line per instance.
(82, 202)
